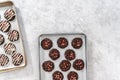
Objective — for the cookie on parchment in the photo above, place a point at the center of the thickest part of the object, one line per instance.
(2, 39)
(78, 64)
(13, 35)
(62, 42)
(5, 26)
(77, 43)
(46, 43)
(72, 75)
(9, 14)
(17, 59)
(57, 75)
(9, 48)
(3, 60)
(65, 65)
(70, 54)
(48, 66)
(54, 54)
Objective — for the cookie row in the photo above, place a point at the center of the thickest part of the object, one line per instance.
(12, 36)
(62, 42)
(17, 59)
(72, 75)
(64, 65)
(69, 54)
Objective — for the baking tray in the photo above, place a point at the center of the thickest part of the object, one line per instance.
(80, 53)
(19, 44)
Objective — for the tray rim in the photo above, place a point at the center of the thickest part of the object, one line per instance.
(86, 58)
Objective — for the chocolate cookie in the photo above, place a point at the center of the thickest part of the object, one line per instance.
(9, 14)
(5, 26)
(9, 48)
(77, 43)
(17, 59)
(57, 75)
(72, 75)
(54, 54)
(78, 64)
(13, 35)
(1, 39)
(70, 54)
(48, 66)
(46, 43)
(3, 60)
(62, 42)
(65, 65)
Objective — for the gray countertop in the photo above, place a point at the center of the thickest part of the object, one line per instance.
(98, 19)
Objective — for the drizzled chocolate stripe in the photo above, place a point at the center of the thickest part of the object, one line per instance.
(9, 48)
(13, 35)
(1, 39)
(5, 26)
(17, 59)
(3, 60)
(9, 14)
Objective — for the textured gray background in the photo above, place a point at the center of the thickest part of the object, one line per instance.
(98, 19)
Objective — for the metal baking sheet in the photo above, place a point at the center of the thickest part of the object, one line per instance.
(19, 44)
(80, 54)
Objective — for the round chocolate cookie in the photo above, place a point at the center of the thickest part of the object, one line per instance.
(17, 59)
(72, 75)
(62, 42)
(48, 66)
(46, 43)
(70, 54)
(78, 64)
(57, 75)
(54, 54)
(9, 14)
(65, 65)
(5, 26)
(9, 48)
(77, 43)
(1, 39)
(3, 60)
(13, 35)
